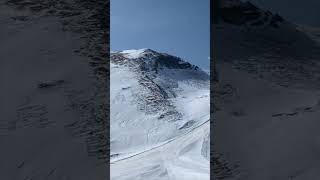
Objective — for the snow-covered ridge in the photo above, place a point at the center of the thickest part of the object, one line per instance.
(263, 43)
(152, 60)
(135, 53)
(247, 14)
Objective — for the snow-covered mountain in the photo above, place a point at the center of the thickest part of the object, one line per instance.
(266, 98)
(159, 117)
(273, 49)
(248, 30)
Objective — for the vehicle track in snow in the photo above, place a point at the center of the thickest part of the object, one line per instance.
(160, 156)
(202, 125)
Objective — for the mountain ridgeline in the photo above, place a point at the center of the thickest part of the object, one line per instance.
(150, 60)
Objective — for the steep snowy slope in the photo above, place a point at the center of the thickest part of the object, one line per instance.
(157, 101)
(52, 99)
(266, 99)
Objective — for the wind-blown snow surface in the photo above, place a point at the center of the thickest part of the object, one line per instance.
(267, 97)
(159, 117)
(52, 123)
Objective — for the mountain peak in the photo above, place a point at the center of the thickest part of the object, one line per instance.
(244, 13)
(148, 59)
(137, 53)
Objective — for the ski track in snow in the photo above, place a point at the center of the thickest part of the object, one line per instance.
(178, 159)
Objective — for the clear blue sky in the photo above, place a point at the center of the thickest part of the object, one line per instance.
(177, 27)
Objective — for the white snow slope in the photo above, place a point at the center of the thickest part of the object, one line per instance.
(267, 124)
(47, 97)
(159, 117)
